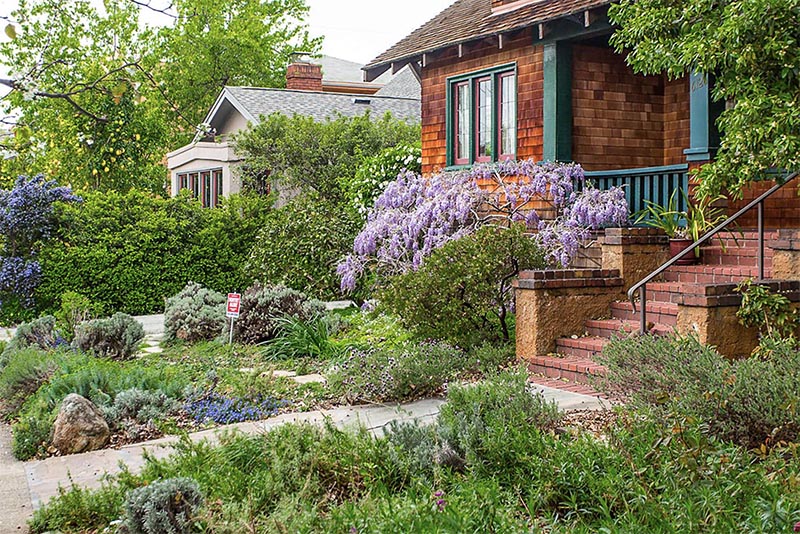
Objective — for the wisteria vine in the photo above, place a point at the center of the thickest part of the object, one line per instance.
(416, 214)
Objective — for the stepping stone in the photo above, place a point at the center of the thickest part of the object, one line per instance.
(309, 379)
(153, 350)
(283, 374)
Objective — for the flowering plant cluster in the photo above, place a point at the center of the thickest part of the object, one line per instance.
(223, 410)
(416, 215)
(26, 219)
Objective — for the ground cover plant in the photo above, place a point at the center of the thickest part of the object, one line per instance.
(494, 461)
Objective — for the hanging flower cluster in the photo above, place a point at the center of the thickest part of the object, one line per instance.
(415, 215)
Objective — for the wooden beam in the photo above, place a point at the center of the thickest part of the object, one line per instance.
(424, 60)
(416, 68)
(500, 40)
(543, 31)
(460, 50)
(589, 17)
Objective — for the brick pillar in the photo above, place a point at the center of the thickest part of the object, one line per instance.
(556, 303)
(303, 76)
(634, 252)
(786, 255)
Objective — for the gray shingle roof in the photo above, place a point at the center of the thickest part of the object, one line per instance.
(257, 101)
(405, 85)
(335, 69)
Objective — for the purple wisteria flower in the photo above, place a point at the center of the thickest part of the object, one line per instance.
(417, 214)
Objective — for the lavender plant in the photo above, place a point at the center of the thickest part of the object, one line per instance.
(416, 215)
(26, 220)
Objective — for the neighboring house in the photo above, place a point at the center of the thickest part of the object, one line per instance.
(538, 79)
(208, 166)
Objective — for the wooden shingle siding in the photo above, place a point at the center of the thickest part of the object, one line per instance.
(622, 120)
(529, 96)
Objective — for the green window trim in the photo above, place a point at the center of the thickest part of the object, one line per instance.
(497, 75)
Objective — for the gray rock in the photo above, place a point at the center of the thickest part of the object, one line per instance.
(80, 426)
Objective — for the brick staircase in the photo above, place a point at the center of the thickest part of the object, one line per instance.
(723, 267)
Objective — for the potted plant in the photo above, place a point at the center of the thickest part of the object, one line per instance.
(683, 227)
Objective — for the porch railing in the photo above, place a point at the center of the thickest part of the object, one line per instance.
(641, 286)
(655, 184)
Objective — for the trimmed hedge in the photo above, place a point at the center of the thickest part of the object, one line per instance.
(128, 252)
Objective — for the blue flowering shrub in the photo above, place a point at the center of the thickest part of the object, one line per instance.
(221, 409)
(27, 220)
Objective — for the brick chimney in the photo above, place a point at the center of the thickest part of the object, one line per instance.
(304, 76)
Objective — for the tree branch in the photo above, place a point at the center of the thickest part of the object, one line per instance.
(147, 4)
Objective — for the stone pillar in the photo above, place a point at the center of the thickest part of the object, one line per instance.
(634, 252)
(786, 255)
(556, 303)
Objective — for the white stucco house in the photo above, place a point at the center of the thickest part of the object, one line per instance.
(209, 166)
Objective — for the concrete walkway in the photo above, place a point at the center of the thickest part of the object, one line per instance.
(15, 502)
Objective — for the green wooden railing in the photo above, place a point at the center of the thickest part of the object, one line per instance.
(655, 184)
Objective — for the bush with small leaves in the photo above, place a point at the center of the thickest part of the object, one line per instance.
(140, 406)
(116, 337)
(263, 305)
(195, 314)
(164, 507)
(41, 333)
(75, 309)
(26, 370)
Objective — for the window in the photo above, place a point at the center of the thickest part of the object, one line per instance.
(206, 186)
(482, 116)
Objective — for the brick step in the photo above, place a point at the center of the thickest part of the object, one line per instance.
(661, 313)
(581, 347)
(565, 367)
(710, 274)
(748, 257)
(609, 328)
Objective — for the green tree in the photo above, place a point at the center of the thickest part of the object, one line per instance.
(320, 157)
(100, 99)
(752, 47)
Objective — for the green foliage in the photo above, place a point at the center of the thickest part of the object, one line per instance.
(27, 369)
(75, 309)
(116, 337)
(263, 306)
(319, 156)
(749, 402)
(463, 292)
(304, 339)
(300, 244)
(772, 313)
(398, 373)
(195, 314)
(76, 508)
(32, 435)
(375, 172)
(41, 333)
(750, 47)
(140, 406)
(128, 252)
(163, 507)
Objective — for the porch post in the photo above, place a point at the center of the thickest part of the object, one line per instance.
(703, 112)
(557, 102)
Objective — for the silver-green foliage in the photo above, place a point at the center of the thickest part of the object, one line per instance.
(116, 337)
(163, 507)
(263, 306)
(195, 314)
(141, 406)
(40, 333)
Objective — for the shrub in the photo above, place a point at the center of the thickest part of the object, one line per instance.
(300, 244)
(263, 305)
(40, 333)
(304, 339)
(195, 314)
(163, 507)
(376, 172)
(223, 410)
(749, 402)
(140, 406)
(399, 373)
(32, 435)
(128, 252)
(463, 292)
(116, 337)
(26, 371)
(75, 309)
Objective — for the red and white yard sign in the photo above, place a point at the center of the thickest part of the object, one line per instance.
(234, 301)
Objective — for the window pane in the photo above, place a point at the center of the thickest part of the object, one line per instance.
(508, 115)
(462, 122)
(194, 184)
(217, 187)
(206, 184)
(484, 126)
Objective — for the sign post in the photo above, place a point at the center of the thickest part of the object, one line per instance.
(232, 310)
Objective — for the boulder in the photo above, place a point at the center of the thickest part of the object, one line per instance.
(80, 426)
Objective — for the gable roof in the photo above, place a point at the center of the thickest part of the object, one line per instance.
(335, 69)
(255, 102)
(404, 84)
(467, 20)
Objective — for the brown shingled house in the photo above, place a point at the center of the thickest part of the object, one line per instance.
(538, 79)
